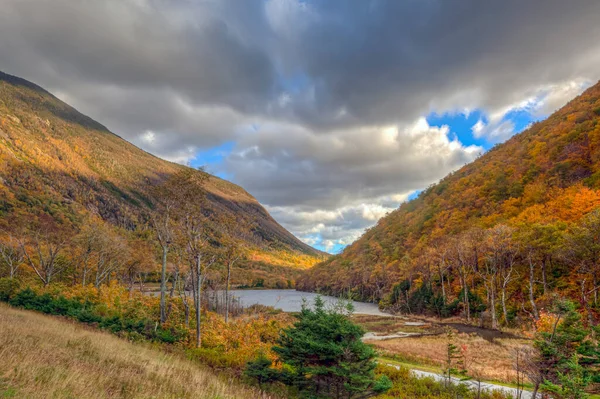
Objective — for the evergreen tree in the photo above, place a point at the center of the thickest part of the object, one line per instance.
(260, 369)
(568, 353)
(325, 356)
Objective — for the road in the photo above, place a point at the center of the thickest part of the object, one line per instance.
(485, 386)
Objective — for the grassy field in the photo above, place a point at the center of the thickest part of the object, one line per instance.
(486, 354)
(48, 357)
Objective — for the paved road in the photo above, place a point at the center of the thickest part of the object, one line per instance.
(485, 386)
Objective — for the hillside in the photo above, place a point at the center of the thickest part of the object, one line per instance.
(69, 360)
(61, 166)
(530, 199)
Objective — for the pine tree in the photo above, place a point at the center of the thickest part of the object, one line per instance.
(326, 357)
(568, 354)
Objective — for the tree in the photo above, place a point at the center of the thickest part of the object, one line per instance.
(260, 369)
(232, 250)
(567, 354)
(326, 357)
(162, 223)
(194, 227)
(499, 265)
(42, 252)
(100, 251)
(582, 249)
(571, 383)
(452, 356)
(11, 254)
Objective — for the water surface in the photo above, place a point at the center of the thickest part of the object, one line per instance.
(291, 300)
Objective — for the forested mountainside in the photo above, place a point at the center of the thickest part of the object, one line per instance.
(512, 227)
(62, 173)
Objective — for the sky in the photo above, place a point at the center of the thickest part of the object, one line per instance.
(331, 113)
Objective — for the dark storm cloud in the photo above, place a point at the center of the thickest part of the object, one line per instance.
(323, 99)
(140, 65)
(380, 61)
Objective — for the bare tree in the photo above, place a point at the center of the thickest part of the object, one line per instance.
(112, 254)
(11, 254)
(101, 251)
(499, 265)
(231, 240)
(42, 254)
(534, 309)
(162, 223)
(195, 232)
(526, 365)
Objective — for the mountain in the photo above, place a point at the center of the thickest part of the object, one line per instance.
(542, 185)
(59, 165)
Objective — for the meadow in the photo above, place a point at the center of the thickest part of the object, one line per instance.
(49, 357)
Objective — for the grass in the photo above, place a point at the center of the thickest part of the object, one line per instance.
(49, 357)
(492, 360)
(438, 370)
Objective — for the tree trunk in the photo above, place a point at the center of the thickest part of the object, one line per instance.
(535, 390)
(544, 279)
(504, 312)
(198, 299)
(227, 292)
(466, 297)
(493, 306)
(595, 287)
(531, 297)
(163, 285)
(443, 287)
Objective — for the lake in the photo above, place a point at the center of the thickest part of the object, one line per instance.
(291, 300)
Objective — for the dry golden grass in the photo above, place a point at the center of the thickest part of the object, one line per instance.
(492, 360)
(46, 357)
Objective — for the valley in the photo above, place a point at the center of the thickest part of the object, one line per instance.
(296, 199)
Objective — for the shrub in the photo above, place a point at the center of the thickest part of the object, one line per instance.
(8, 288)
(260, 370)
(323, 356)
(215, 358)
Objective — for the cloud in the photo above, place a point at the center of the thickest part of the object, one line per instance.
(291, 165)
(330, 187)
(324, 101)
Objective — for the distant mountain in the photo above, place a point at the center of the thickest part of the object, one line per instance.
(547, 175)
(58, 164)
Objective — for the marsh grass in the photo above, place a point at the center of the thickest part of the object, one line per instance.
(493, 361)
(48, 357)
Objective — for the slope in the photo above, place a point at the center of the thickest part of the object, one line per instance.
(548, 175)
(70, 361)
(57, 164)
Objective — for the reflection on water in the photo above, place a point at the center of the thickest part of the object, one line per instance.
(291, 300)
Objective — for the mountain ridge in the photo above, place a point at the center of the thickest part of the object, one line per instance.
(57, 162)
(549, 173)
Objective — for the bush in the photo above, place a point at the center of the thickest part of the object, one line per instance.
(260, 370)
(8, 288)
(215, 358)
(87, 312)
(323, 356)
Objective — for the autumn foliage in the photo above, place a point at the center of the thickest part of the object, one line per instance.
(503, 232)
(69, 185)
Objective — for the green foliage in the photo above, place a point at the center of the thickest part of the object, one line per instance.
(549, 175)
(8, 288)
(215, 358)
(422, 300)
(571, 383)
(407, 386)
(91, 313)
(326, 356)
(568, 354)
(260, 370)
